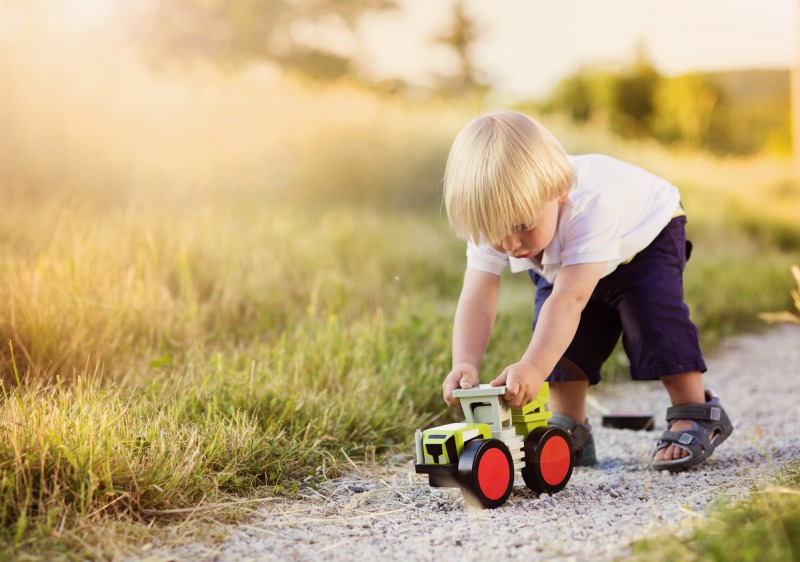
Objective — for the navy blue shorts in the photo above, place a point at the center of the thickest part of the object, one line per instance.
(643, 302)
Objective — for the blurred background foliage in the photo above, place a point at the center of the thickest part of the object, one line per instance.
(180, 146)
(233, 33)
(735, 112)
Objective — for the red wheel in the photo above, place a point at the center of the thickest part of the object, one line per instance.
(548, 460)
(486, 472)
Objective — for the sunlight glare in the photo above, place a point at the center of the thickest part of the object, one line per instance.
(89, 13)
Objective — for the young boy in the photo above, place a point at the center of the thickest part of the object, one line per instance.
(604, 242)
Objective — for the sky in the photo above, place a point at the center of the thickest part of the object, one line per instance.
(528, 45)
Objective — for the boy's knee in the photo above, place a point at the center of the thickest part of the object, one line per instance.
(571, 372)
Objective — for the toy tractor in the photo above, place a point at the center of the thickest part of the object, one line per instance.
(482, 455)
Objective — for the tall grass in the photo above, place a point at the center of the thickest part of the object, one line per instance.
(218, 285)
(227, 423)
(131, 287)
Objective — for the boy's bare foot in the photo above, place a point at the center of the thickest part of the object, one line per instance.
(673, 452)
(686, 388)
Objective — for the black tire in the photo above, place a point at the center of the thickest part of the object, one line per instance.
(486, 472)
(548, 460)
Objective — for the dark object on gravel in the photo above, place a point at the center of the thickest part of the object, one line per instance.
(644, 422)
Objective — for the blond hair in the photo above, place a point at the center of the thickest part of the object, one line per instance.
(502, 168)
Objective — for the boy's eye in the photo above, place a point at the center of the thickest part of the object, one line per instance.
(522, 227)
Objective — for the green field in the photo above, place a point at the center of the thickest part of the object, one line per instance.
(216, 288)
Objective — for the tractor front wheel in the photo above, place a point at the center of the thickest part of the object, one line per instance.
(548, 460)
(486, 472)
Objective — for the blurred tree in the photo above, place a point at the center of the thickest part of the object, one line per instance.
(234, 32)
(586, 96)
(623, 101)
(574, 96)
(633, 96)
(738, 112)
(460, 37)
(683, 109)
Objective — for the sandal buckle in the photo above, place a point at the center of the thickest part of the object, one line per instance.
(715, 413)
(685, 439)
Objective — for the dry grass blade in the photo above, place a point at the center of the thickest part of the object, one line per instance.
(786, 316)
(208, 507)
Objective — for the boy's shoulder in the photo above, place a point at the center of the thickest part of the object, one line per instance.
(598, 160)
(604, 168)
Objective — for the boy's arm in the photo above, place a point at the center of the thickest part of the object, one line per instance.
(556, 326)
(472, 327)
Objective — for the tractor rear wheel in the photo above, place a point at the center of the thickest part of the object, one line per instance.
(486, 472)
(548, 460)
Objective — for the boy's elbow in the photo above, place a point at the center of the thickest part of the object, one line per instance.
(575, 306)
(571, 304)
(576, 284)
(581, 300)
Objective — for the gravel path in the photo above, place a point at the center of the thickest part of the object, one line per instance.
(389, 512)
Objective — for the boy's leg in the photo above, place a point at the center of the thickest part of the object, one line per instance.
(595, 339)
(568, 402)
(685, 388)
(569, 397)
(660, 340)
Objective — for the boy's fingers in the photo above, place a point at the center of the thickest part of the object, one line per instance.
(512, 389)
(465, 384)
(448, 386)
(454, 403)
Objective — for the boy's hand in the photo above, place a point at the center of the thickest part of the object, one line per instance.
(522, 384)
(463, 375)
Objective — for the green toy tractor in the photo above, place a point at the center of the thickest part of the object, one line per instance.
(482, 454)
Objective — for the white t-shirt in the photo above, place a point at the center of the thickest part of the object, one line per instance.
(613, 211)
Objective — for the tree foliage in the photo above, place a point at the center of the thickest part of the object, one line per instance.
(234, 32)
(633, 93)
(461, 36)
(735, 112)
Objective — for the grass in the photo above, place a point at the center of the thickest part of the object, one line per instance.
(764, 527)
(217, 288)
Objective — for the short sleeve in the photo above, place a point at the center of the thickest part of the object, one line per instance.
(486, 258)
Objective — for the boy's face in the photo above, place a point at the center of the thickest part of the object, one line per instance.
(529, 240)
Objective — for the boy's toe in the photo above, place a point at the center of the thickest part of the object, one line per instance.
(670, 453)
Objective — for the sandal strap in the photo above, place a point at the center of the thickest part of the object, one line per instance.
(704, 412)
(687, 438)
